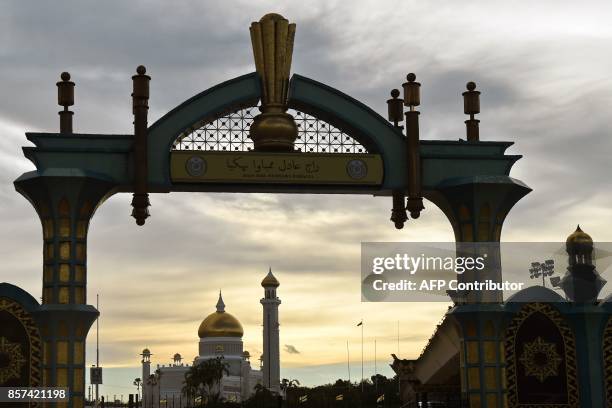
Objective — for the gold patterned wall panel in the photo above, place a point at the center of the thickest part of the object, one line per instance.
(541, 359)
(20, 347)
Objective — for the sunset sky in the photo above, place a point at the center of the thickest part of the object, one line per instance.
(544, 72)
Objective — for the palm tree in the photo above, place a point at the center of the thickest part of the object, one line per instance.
(285, 385)
(154, 380)
(137, 382)
(204, 380)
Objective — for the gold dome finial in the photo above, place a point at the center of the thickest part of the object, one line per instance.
(272, 40)
(579, 237)
(220, 303)
(270, 280)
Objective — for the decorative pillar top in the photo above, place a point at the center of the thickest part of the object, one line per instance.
(272, 38)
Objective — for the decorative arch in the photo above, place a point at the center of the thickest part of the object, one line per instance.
(321, 102)
(540, 346)
(607, 354)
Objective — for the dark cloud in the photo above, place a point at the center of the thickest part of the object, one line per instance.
(291, 349)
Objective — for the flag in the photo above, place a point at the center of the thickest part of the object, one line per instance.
(303, 398)
(381, 398)
(339, 397)
(360, 323)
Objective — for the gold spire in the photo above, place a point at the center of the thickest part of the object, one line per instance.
(220, 303)
(272, 40)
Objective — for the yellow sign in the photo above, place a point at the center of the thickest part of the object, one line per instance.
(295, 168)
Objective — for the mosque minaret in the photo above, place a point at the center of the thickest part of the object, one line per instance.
(220, 335)
(271, 352)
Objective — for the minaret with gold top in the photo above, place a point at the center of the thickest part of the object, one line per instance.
(271, 350)
(581, 283)
(272, 39)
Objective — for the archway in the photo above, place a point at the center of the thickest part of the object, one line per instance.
(468, 179)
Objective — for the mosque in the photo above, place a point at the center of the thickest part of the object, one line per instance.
(220, 335)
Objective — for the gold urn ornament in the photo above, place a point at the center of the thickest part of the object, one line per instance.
(272, 38)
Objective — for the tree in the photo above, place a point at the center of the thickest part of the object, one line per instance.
(137, 382)
(263, 398)
(204, 379)
(286, 385)
(154, 380)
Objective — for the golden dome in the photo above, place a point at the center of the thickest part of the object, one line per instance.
(270, 280)
(220, 323)
(579, 237)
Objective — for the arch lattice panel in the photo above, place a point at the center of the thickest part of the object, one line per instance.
(231, 133)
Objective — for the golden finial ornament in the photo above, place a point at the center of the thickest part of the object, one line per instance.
(471, 106)
(412, 91)
(395, 107)
(272, 39)
(65, 98)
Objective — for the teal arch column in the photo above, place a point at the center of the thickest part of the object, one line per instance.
(476, 208)
(589, 323)
(65, 200)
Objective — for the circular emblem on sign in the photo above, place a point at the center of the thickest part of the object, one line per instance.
(195, 166)
(357, 169)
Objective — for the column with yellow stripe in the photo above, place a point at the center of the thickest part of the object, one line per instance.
(477, 207)
(65, 203)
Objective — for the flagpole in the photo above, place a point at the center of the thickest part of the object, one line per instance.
(97, 340)
(399, 380)
(362, 355)
(375, 368)
(348, 362)
(398, 349)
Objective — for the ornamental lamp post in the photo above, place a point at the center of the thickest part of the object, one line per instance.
(412, 99)
(396, 115)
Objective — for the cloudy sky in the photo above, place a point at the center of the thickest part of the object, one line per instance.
(544, 72)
